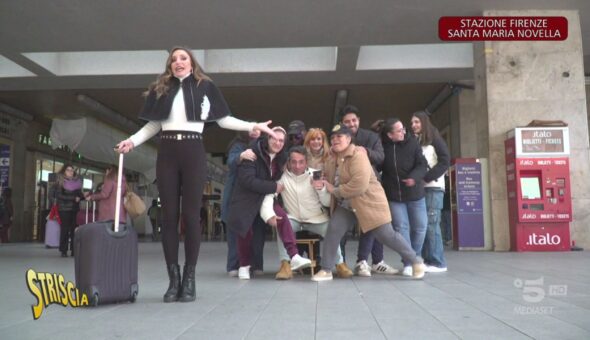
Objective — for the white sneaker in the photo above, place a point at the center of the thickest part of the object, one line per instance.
(434, 269)
(407, 271)
(244, 273)
(418, 270)
(383, 268)
(362, 269)
(232, 273)
(298, 262)
(322, 275)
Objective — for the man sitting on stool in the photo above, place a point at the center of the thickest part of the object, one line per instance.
(304, 201)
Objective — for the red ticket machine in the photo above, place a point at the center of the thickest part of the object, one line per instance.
(539, 192)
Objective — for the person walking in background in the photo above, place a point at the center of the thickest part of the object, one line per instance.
(403, 170)
(155, 215)
(6, 213)
(445, 215)
(357, 197)
(179, 103)
(237, 152)
(108, 196)
(437, 155)
(67, 193)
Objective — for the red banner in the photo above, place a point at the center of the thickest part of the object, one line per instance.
(502, 28)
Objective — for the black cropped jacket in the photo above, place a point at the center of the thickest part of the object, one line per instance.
(202, 100)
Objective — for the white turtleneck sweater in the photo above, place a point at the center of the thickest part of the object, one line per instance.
(177, 122)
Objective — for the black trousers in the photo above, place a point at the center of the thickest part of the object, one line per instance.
(181, 171)
(66, 236)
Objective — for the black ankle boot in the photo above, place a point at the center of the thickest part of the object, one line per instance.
(188, 290)
(174, 287)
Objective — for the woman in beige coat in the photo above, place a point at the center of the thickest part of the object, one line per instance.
(357, 196)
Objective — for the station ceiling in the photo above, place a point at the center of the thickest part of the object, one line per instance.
(273, 59)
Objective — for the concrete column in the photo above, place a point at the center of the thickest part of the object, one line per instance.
(466, 124)
(19, 231)
(517, 82)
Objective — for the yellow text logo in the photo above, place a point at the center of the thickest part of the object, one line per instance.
(50, 288)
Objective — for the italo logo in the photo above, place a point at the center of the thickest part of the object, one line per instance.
(52, 288)
(543, 240)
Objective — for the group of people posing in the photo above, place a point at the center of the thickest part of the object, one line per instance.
(347, 192)
(388, 182)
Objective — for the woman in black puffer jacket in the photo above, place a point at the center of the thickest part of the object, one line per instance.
(404, 168)
(67, 193)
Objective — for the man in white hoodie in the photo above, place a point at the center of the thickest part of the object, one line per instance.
(305, 201)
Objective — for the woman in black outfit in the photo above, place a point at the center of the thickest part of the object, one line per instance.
(67, 193)
(179, 103)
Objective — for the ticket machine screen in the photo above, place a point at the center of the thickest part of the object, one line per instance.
(530, 188)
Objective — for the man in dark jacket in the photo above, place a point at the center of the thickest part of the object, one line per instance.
(403, 169)
(295, 133)
(371, 143)
(255, 179)
(368, 139)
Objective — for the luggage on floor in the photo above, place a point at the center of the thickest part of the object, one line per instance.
(86, 215)
(52, 231)
(106, 258)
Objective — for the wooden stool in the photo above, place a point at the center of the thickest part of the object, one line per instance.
(309, 242)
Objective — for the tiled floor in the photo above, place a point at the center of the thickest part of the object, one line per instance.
(483, 296)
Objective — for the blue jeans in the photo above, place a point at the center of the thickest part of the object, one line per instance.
(445, 225)
(433, 251)
(410, 219)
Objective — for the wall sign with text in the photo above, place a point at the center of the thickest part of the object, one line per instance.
(542, 141)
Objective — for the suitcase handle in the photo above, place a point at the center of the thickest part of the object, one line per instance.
(93, 210)
(118, 197)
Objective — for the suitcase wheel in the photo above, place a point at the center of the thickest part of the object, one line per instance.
(94, 300)
(134, 292)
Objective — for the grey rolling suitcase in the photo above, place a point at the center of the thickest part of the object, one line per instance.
(106, 258)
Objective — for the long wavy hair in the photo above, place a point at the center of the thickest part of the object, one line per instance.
(164, 80)
(312, 134)
(61, 174)
(428, 131)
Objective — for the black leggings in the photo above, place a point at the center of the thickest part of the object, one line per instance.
(181, 170)
(66, 236)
